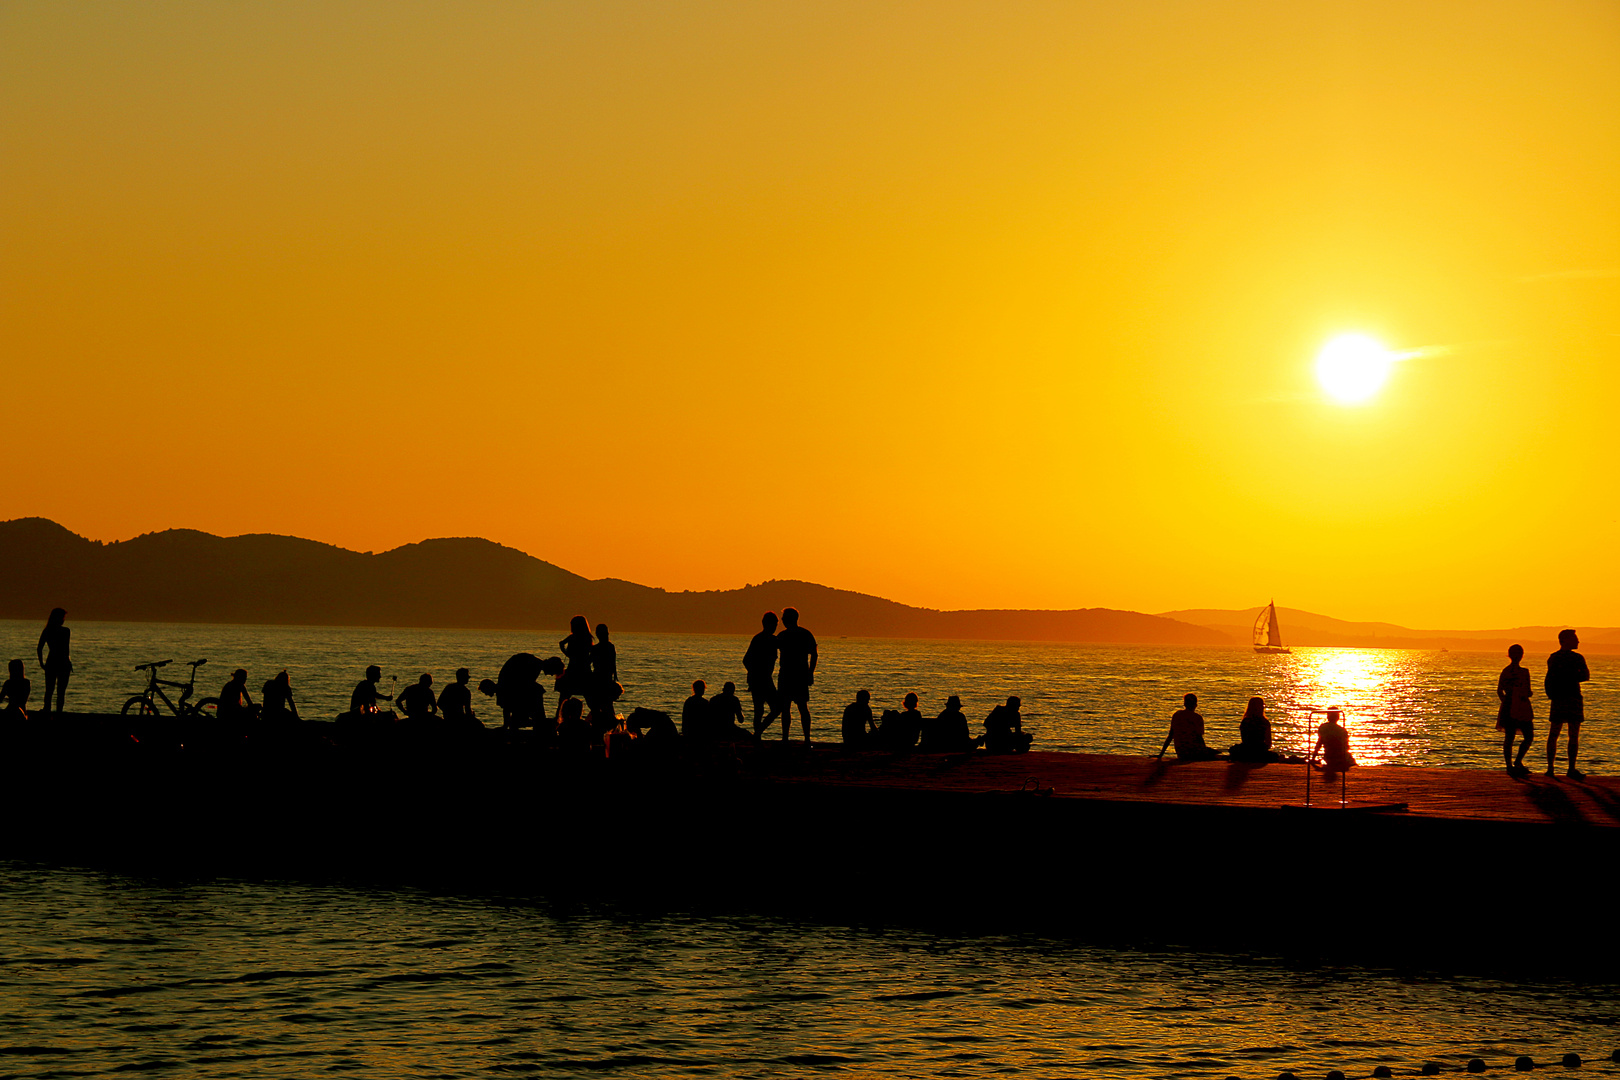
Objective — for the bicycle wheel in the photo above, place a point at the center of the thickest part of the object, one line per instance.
(206, 709)
(139, 705)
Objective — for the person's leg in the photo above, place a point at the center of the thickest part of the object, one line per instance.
(61, 689)
(804, 719)
(50, 688)
(1574, 746)
(1507, 746)
(1554, 727)
(759, 710)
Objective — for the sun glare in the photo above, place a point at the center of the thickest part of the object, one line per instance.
(1352, 368)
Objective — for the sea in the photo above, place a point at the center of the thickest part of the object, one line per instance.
(106, 971)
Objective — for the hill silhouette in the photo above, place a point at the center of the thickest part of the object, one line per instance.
(1308, 628)
(182, 575)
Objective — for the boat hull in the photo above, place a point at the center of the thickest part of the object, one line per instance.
(1273, 649)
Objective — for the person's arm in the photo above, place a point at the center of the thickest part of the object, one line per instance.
(814, 656)
(39, 650)
(292, 708)
(1168, 736)
(1502, 688)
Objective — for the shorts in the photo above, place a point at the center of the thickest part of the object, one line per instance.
(794, 694)
(1513, 727)
(1566, 711)
(764, 690)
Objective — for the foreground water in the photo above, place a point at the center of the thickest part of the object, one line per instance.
(1414, 707)
(103, 973)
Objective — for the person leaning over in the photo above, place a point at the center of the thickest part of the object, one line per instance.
(1187, 732)
(1566, 670)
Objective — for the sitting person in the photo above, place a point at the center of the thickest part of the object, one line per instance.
(234, 703)
(695, 714)
(947, 733)
(901, 730)
(1187, 732)
(1004, 729)
(657, 729)
(417, 701)
(276, 705)
(859, 727)
(363, 701)
(1333, 742)
(1255, 732)
(455, 703)
(726, 716)
(573, 733)
(15, 692)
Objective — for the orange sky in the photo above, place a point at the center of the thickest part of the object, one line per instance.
(962, 304)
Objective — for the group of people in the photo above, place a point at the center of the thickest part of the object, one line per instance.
(1566, 706)
(54, 655)
(1254, 746)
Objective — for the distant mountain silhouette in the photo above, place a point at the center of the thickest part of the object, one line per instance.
(1308, 628)
(181, 575)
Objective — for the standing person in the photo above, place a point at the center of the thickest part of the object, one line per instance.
(15, 692)
(1187, 732)
(1566, 670)
(1514, 714)
(605, 689)
(576, 647)
(797, 648)
(760, 664)
(58, 665)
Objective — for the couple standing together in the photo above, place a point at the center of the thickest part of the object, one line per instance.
(796, 648)
(1566, 670)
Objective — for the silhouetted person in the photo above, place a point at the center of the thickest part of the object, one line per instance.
(417, 701)
(54, 655)
(859, 727)
(1566, 670)
(276, 703)
(1514, 713)
(948, 733)
(15, 692)
(455, 702)
(658, 732)
(1334, 744)
(760, 664)
(1004, 729)
(605, 688)
(234, 703)
(518, 692)
(901, 730)
(1254, 731)
(363, 701)
(695, 713)
(796, 647)
(1187, 732)
(573, 733)
(576, 649)
(726, 713)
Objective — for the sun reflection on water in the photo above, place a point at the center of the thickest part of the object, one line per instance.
(1377, 689)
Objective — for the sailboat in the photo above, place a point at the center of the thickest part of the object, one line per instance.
(1267, 638)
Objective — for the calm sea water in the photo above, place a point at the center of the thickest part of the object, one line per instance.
(1414, 707)
(102, 974)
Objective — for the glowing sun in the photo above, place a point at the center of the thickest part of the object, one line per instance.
(1352, 367)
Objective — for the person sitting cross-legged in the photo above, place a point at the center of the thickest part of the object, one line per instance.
(1187, 732)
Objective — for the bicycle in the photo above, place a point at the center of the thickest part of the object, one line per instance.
(145, 703)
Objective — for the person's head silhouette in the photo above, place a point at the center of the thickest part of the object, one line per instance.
(698, 687)
(953, 704)
(910, 702)
(373, 673)
(239, 676)
(863, 696)
(15, 668)
(729, 688)
(463, 675)
(790, 617)
(1257, 707)
(601, 631)
(1567, 639)
(768, 621)
(57, 617)
(1191, 702)
(1515, 653)
(1014, 704)
(579, 625)
(282, 680)
(425, 680)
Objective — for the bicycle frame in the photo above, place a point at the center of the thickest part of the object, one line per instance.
(154, 687)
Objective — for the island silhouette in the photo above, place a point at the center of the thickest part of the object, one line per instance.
(184, 575)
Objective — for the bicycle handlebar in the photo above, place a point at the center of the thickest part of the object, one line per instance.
(198, 663)
(155, 664)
